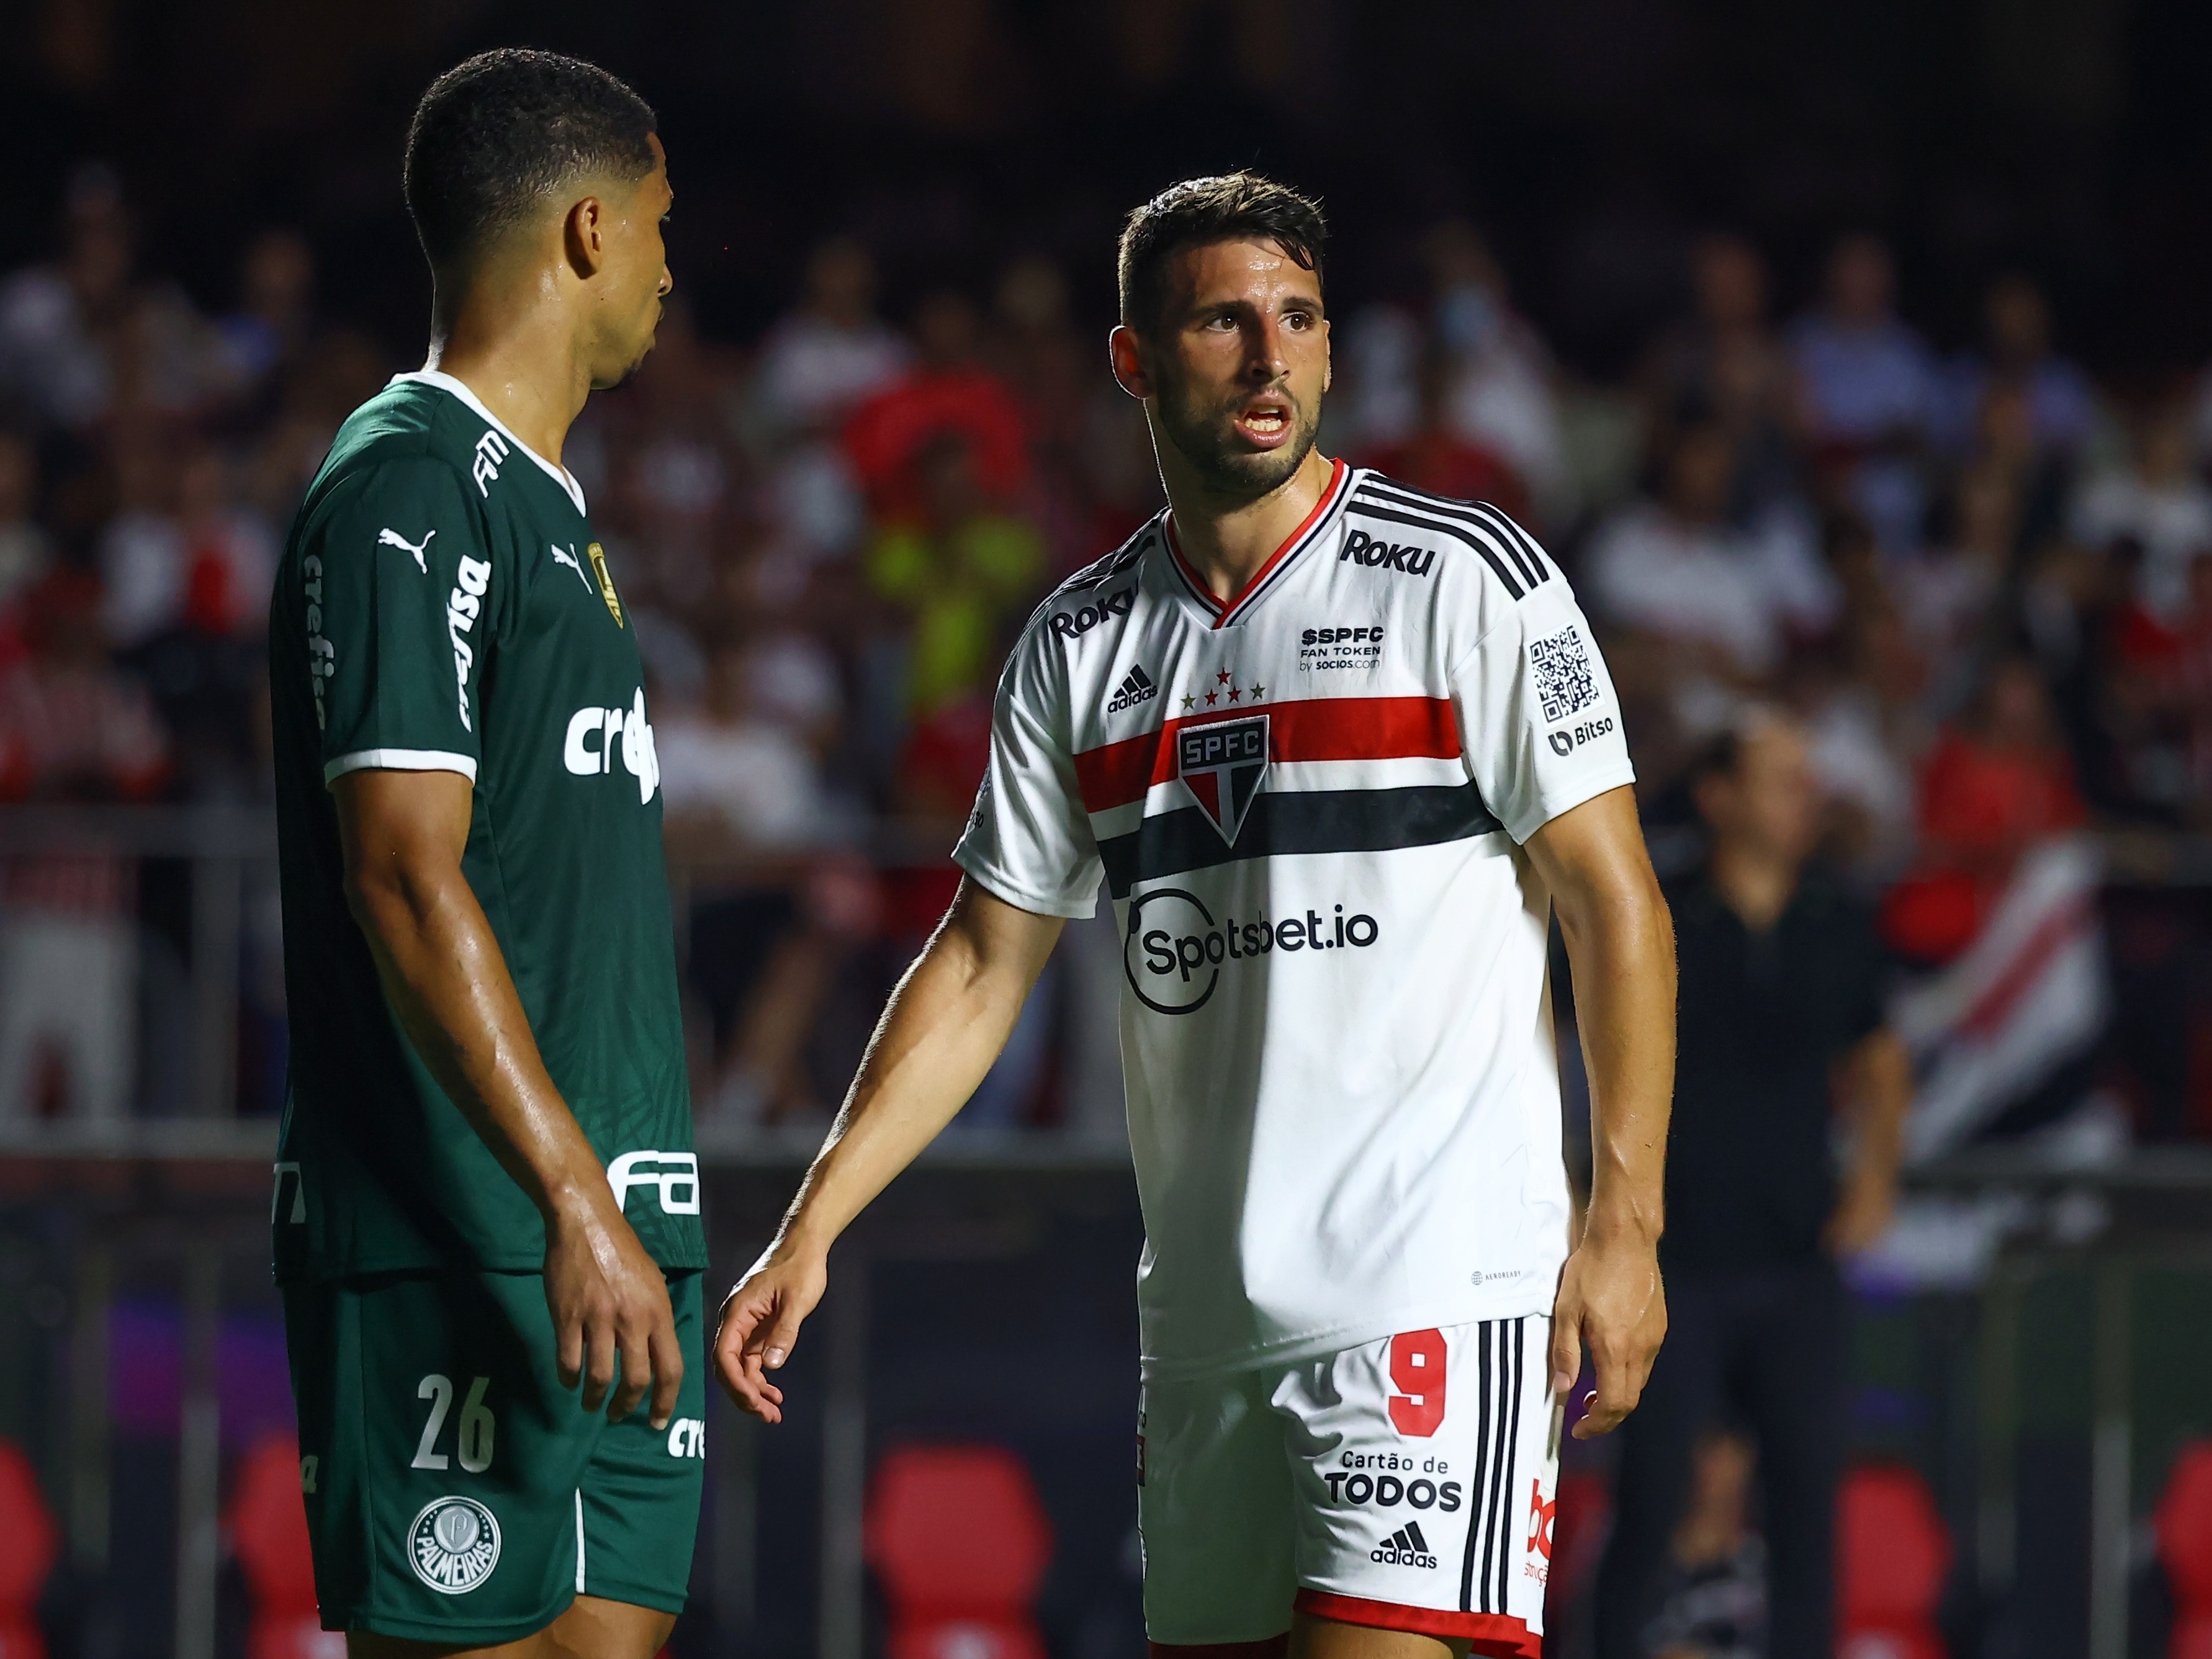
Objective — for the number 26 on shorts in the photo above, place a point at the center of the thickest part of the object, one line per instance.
(1417, 1371)
(474, 1432)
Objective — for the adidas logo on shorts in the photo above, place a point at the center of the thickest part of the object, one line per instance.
(1405, 1548)
(1135, 688)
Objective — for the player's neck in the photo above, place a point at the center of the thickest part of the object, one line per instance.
(1226, 541)
(517, 353)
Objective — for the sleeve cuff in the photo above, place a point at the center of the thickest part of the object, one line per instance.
(1044, 904)
(1589, 787)
(400, 760)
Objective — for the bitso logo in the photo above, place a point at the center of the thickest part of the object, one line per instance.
(1222, 764)
(453, 1545)
(1173, 953)
(1565, 743)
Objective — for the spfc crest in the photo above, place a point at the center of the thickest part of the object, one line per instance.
(1222, 764)
(598, 557)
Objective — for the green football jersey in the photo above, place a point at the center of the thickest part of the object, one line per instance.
(442, 604)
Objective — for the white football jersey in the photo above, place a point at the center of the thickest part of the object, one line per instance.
(1308, 805)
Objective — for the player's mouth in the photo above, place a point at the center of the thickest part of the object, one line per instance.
(1266, 422)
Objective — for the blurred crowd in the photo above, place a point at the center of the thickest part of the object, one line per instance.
(1982, 581)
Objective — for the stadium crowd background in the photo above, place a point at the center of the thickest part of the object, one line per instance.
(1851, 360)
(1919, 460)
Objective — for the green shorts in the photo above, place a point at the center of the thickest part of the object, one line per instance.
(456, 1493)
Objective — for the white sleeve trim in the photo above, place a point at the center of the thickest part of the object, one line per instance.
(400, 760)
(993, 881)
(1566, 795)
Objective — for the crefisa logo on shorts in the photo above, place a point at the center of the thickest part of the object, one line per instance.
(453, 1545)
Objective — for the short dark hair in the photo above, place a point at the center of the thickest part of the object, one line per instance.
(496, 134)
(1233, 207)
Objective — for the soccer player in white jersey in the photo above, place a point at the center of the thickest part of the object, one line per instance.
(1339, 750)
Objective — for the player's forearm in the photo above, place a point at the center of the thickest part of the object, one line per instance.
(442, 969)
(1622, 949)
(941, 1031)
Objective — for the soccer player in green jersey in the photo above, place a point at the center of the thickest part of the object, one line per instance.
(486, 1214)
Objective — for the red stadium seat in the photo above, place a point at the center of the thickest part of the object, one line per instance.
(959, 1543)
(2183, 1524)
(28, 1544)
(1892, 1554)
(268, 1527)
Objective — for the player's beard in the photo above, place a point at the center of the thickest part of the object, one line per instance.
(637, 358)
(1206, 440)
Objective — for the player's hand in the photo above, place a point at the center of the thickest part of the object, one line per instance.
(761, 1318)
(609, 1301)
(1610, 1297)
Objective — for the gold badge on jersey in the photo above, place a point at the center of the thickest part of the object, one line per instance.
(598, 557)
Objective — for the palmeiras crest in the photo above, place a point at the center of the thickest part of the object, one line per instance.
(1222, 763)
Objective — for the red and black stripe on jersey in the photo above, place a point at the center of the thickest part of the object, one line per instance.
(1285, 820)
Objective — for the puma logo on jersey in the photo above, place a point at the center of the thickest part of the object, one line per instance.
(393, 538)
(573, 564)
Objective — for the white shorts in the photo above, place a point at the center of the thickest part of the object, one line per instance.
(1406, 1484)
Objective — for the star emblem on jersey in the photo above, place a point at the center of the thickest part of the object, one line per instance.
(393, 538)
(453, 1545)
(1222, 763)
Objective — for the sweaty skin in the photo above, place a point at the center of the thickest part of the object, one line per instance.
(560, 306)
(1232, 381)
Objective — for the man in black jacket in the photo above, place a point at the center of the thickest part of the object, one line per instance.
(1781, 1031)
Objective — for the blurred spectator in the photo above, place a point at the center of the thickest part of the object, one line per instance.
(1867, 387)
(959, 568)
(1675, 567)
(948, 393)
(830, 355)
(733, 762)
(1500, 395)
(25, 549)
(2016, 352)
(1996, 783)
(1714, 1605)
(58, 322)
(1727, 364)
(141, 551)
(1781, 1020)
(1434, 458)
(71, 729)
(270, 331)
(2156, 501)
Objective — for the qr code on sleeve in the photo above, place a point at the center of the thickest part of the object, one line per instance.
(1562, 667)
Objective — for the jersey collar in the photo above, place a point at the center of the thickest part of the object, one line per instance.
(446, 383)
(1226, 613)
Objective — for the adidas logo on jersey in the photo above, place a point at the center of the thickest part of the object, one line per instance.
(1135, 688)
(1405, 1548)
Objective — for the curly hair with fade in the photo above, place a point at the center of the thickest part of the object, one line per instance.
(496, 135)
(1231, 207)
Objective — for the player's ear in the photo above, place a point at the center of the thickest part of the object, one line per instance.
(583, 237)
(1122, 351)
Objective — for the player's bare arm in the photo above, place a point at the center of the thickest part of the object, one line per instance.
(404, 833)
(940, 1034)
(1621, 945)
